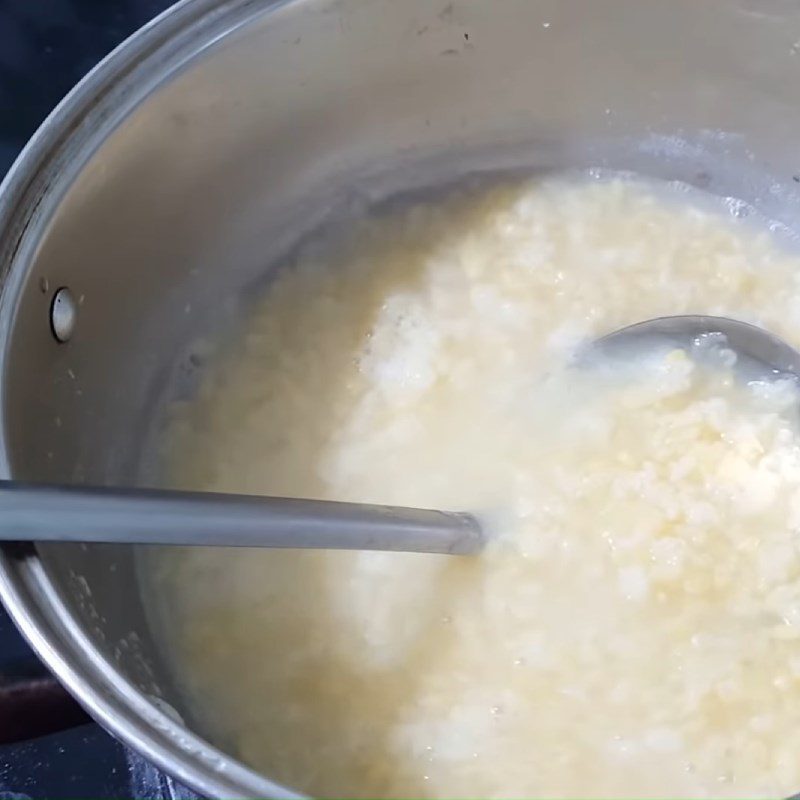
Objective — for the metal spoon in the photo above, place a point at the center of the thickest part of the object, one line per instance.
(766, 349)
(148, 516)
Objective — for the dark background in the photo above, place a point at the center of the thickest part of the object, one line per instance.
(46, 46)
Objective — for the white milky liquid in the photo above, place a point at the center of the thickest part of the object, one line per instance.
(633, 628)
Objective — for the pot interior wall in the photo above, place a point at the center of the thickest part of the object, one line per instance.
(307, 112)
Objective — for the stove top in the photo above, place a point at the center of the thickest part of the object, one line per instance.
(80, 760)
(46, 46)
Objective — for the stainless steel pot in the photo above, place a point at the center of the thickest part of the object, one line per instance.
(163, 188)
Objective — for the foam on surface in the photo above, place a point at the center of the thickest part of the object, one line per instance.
(634, 626)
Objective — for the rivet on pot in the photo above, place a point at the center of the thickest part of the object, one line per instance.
(63, 315)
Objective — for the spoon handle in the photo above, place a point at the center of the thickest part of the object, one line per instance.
(30, 512)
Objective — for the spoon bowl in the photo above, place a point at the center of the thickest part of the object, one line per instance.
(752, 342)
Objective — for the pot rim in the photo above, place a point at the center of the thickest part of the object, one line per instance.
(29, 195)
